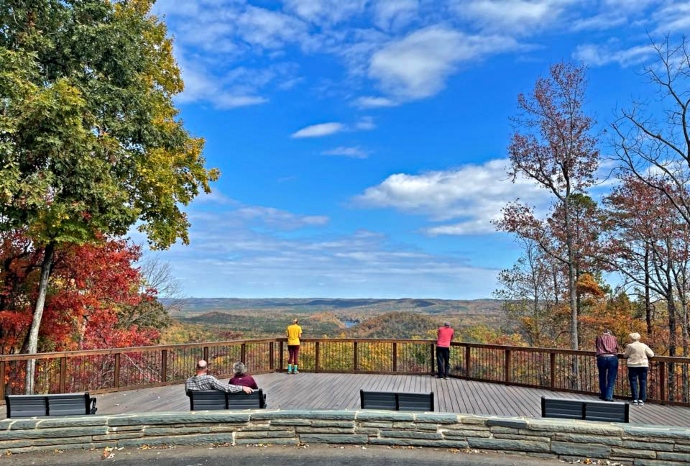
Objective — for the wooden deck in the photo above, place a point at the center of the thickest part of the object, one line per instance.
(341, 392)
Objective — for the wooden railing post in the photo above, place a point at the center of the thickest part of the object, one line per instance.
(2, 380)
(468, 365)
(206, 353)
(552, 363)
(395, 356)
(433, 358)
(316, 356)
(354, 352)
(63, 374)
(164, 365)
(243, 353)
(116, 371)
(507, 363)
(662, 382)
(271, 359)
(282, 356)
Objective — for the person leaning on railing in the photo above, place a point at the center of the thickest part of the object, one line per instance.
(637, 353)
(203, 381)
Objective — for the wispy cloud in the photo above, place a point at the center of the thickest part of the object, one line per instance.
(418, 65)
(473, 194)
(375, 102)
(353, 152)
(604, 54)
(319, 130)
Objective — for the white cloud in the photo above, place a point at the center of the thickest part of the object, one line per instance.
(511, 16)
(319, 130)
(375, 102)
(353, 152)
(270, 29)
(475, 194)
(601, 55)
(325, 12)
(279, 219)
(418, 65)
(365, 124)
(395, 14)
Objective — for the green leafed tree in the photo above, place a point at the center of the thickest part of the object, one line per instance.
(90, 139)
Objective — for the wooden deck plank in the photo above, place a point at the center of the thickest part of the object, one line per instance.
(341, 391)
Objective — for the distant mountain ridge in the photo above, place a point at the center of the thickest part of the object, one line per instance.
(192, 306)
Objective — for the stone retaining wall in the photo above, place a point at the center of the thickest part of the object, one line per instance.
(570, 440)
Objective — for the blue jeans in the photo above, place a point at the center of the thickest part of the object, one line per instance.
(635, 375)
(608, 370)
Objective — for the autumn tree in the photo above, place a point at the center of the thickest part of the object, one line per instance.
(552, 146)
(90, 141)
(652, 138)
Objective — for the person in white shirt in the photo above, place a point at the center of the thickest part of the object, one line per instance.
(637, 353)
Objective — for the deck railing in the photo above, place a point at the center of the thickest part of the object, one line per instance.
(130, 368)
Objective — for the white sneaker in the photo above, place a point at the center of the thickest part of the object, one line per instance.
(634, 402)
(640, 403)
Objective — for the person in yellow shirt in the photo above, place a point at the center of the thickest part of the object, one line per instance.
(294, 333)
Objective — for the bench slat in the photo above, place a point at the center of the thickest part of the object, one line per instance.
(397, 401)
(70, 404)
(585, 410)
(203, 400)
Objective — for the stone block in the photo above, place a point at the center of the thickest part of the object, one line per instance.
(199, 439)
(267, 441)
(673, 456)
(465, 433)
(380, 425)
(340, 424)
(580, 450)
(372, 415)
(656, 446)
(270, 434)
(632, 453)
(504, 430)
(520, 437)
(582, 438)
(657, 432)
(64, 432)
(411, 434)
(323, 430)
(357, 439)
(304, 414)
(159, 431)
(510, 445)
(290, 422)
(436, 418)
(512, 423)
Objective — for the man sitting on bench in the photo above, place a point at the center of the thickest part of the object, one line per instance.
(203, 381)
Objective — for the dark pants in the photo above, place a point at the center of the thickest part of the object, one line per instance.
(608, 370)
(443, 361)
(638, 375)
(293, 352)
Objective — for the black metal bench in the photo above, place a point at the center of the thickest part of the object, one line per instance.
(200, 400)
(397, 401)
(585, 410)
(71, 404)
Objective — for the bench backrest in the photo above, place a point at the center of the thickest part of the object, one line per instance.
(200, 400)
(585, 410)
(397, 401)
(50, 405)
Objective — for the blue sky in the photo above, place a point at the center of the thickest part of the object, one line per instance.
(362, 143)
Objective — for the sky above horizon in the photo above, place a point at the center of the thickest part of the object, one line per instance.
(362, 144)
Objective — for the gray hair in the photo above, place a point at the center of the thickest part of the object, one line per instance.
(239, 368)
(634, 336)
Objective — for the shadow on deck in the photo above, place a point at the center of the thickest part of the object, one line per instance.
(341, 391)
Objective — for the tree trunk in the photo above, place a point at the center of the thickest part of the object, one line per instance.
(647, 292)
(32, 348)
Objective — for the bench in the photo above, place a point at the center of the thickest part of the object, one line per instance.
(200, 400)
(585, 410)
(71, 404)
(397, 401)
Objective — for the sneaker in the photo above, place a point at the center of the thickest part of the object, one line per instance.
(446, 377)
(296, 372)
(640, 403)
(634, 402)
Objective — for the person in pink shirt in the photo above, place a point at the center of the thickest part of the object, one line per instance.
(445, 335)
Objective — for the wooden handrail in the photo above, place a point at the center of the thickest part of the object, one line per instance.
(137, 367)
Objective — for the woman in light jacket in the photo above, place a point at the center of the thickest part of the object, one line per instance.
(637, 353)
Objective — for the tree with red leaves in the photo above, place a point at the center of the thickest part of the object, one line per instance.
(552, 145)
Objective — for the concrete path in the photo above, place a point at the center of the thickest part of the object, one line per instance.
(312, 455)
